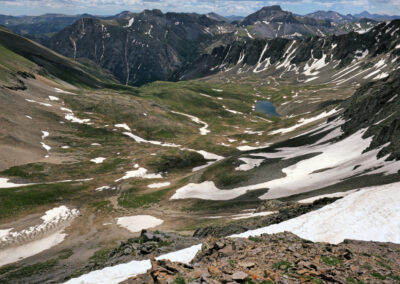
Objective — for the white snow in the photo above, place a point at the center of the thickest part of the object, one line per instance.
(5, 183)
(330, 195)
(393, 98)
(65, 147)
(218, 90)
(130, 23)
(249, 164)
(5, 232)
(27, 116)
(231, 110)
(45, 134)
(27, 242)
(359, 54)
(311, 79)
(13, 254)
(43, 104)
(316, 64)
(120, 272)
(103, 188)
(251, 215)
(62, 91)
(159, 185)
(382, 76)
(65, 109)
(46, 147)
(332, 163)
(95, 144)
(248, 34)
(203, 130)
(304, 121)
(379, 122)
(138, 223)
(250, 148)
(204, 95)
(74, 119)
(98, 160)
(370, 214)
(250, 132)
(139, 173)
(124, 126)
(206, 155)
(52, 98)
(184, 255)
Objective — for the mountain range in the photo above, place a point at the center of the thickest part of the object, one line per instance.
(124, 43)
(185, 148)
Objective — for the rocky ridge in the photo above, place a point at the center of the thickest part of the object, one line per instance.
(281, 258)
(317, 59)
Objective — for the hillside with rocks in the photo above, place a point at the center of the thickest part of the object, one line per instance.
(280, 258)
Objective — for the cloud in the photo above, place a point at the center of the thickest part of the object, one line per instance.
(224, 7)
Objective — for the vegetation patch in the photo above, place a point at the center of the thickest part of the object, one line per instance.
(31, 270)
(22, 199)
(332, 260)
(177, 160)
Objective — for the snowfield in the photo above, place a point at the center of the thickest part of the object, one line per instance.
(35, 239)
(140, 222)
(370, 214)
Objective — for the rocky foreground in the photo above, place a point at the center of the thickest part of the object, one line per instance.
(281, 258)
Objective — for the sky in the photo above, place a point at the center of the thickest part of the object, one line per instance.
(222, 7)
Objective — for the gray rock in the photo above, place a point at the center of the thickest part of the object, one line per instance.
(239, 275)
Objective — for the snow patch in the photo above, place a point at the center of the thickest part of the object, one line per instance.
(303, 121)
(124, 126)
(249, 164)
(159, 185)
(98, 160)
(138, 223)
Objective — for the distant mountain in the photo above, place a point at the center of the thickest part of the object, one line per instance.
(332, 16)
(217, 17)
(39, 28)
(140, 47)
(234, 18)
(273, 22)
(377, 17)
(47, 23)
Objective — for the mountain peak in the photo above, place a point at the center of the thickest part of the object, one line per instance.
(271, 8)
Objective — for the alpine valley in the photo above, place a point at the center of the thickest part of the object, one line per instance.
(195, 148)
